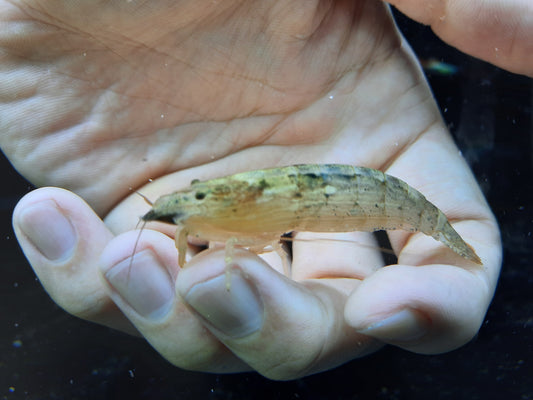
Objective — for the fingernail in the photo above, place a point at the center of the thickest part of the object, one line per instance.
(145, 285)
(405, 325)
(48, 229)
(236, 312)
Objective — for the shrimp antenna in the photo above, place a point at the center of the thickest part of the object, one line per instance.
(135, 246)
(145, 198)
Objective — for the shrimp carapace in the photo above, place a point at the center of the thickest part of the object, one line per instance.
(253, 209)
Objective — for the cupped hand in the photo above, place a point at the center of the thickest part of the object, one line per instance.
(105, 99)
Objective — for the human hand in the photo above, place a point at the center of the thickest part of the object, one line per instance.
(120, 94)
(497, 31)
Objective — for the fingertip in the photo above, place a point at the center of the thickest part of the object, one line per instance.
(403, 326)
(143, 286)
(281, 328)
(62, 239)
(52, 221)
(226, 298)
(128, 244)
(43, 197)
(211, 263)
(479, 29)
(139, 268)
(428, 310)
(55, 227)
(42, 226)
(49, 223)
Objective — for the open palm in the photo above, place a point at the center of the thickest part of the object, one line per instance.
(105, 98)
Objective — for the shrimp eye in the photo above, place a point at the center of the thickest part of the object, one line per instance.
(199, 195)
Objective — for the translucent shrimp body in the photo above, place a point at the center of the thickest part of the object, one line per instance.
(253, 209)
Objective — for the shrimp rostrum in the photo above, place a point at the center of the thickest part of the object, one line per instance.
(254, 209)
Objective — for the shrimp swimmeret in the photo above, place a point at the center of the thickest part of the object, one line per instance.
(254, 209)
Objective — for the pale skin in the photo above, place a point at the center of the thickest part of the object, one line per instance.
(101, 97)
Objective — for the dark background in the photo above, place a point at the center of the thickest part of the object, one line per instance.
(48, 354)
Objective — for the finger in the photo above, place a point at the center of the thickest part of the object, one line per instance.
(280, 328)
(329, 255)
(144, 289)
(429, 309)
(62, 239)
(498, 31)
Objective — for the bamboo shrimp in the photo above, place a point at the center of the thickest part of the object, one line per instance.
(254, 209)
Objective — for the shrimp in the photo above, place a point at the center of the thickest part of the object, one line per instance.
(254, 209)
